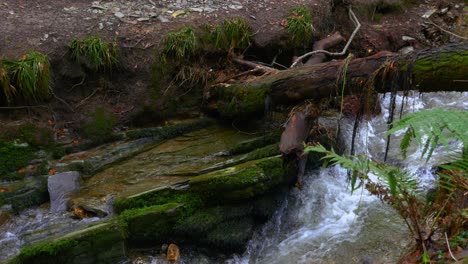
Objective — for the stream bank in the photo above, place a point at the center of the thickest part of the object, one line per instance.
(211, 187)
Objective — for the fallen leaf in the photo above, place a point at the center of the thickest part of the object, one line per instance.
(52, 171)
(21, 171)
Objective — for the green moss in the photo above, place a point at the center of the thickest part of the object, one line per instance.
(99, 129)
(435, 71)
(157, 197)
(238, 101)
(167, 132)
(12, 158)
(240, 182)
(33, 193)
(231, 235)
(149, 225)
(85, 246)
(255, 143)
(267, 151)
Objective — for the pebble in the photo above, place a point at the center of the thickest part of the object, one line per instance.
(119, 14)
(163, 19)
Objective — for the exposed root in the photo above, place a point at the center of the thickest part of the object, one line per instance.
(353, 18)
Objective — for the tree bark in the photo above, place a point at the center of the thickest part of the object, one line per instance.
(430, 70)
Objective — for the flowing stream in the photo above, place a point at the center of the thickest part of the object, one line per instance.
(323, 222)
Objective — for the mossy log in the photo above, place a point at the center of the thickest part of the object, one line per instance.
(429, 70)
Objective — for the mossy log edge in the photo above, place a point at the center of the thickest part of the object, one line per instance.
(428, 70)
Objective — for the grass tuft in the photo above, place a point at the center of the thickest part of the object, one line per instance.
(234, 33)
(95, 53)
(299, 26)
(27, 78)
(181, 44)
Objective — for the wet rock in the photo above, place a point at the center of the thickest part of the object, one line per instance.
(61, 187)
(173, 252)
(88, 207)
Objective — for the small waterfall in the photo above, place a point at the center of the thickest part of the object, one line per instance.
(325, 223)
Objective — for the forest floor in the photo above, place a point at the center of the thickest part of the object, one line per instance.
(139, 26)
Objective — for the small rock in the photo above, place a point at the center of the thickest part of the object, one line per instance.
(444, 10)
(178, 13)
(61, 187)
(119, 14)
(406, 50)
(429, 13)
(407, 38)
(173, 253)
(236, 7)
(163, 19)
(142, 19)
(101, 26)
(196, 9)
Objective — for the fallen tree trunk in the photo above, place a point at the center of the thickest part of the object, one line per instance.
(430, 70)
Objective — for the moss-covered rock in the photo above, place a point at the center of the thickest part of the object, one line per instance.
(232, 235)
(166, 132)
(255, 143)
(240, 182)
(101, 243)
(32, 193)
(150, 225)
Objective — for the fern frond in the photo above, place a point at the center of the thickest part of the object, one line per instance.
(439, 125)
(397, 180)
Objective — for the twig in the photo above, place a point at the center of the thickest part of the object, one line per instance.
(353, 18)
(75, 85)
(23, 107)
(64, 102)
(446, 31)
(242, 74)
(84, 100)
(448, 246)
(253, 65)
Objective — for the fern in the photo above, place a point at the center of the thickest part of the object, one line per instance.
(397, 180)
(439, 125)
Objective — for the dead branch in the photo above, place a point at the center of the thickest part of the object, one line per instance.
(64, 102)
(323, 44)
(353, 18)
(253, 65)
(446, 31)
(84, 100)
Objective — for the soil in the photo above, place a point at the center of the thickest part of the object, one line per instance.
(138, 27)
